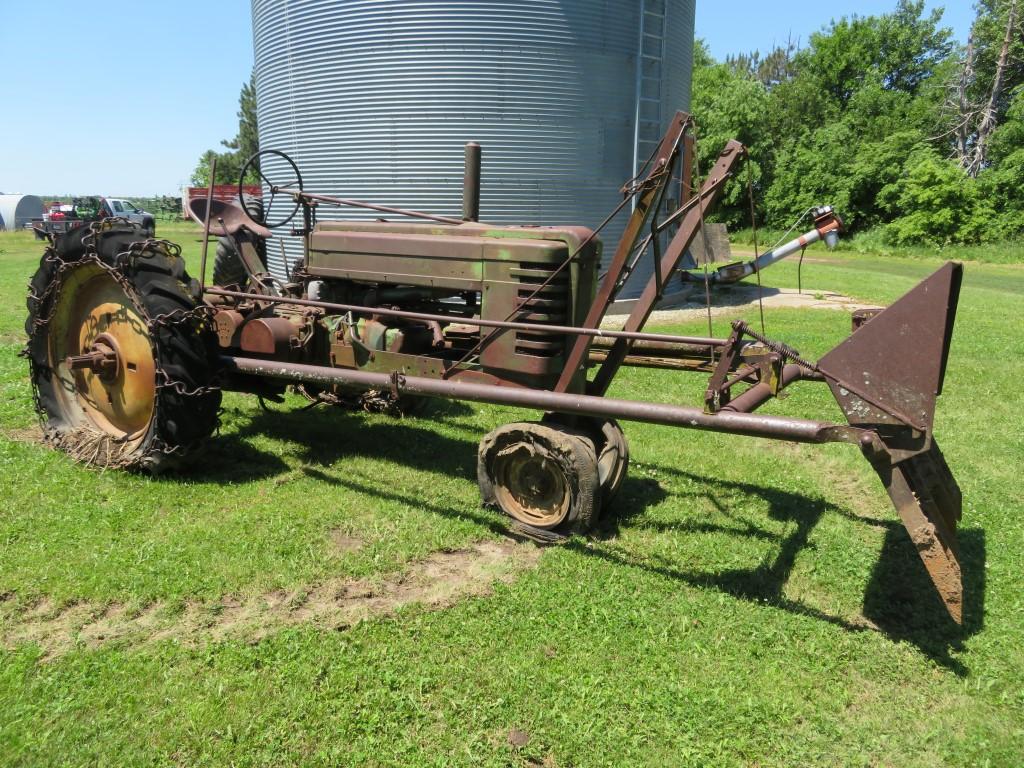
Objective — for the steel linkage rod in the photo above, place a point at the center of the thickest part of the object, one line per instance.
(751, 424)
(677, 247)
(696, 341)
(298, 193)
(649, 190)
(206, 223)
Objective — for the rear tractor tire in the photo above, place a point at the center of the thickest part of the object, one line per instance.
(227, 264)
(123, 368)
(543, 476)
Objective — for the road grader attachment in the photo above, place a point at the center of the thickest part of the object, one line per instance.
(129, 354)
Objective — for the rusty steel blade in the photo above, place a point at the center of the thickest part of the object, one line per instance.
(891, 369)
(886, 377)
(928, 501)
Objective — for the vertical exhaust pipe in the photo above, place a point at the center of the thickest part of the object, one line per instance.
(471, 184)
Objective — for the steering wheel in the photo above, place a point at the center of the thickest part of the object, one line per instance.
(263, 216)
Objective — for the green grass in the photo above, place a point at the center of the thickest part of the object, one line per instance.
(751, 603)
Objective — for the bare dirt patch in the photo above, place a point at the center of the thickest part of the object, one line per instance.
(33, 434)
(342, 543)
(436, 582)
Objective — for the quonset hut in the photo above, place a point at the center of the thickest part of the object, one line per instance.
(18, 211)
(374, 100)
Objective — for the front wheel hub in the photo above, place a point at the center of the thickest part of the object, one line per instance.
(543, 476)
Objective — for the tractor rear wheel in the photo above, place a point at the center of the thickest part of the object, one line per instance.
(227, 265)
(122, 364)
(540, 475)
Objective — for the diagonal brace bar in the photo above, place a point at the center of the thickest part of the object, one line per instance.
(651, 189)
(688, 228)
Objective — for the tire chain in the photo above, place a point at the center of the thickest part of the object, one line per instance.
(199, 318)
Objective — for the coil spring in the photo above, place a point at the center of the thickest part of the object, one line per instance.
(778, 347)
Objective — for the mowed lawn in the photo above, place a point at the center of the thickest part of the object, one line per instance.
(324, 588)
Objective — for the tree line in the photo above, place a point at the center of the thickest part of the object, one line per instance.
(886, 117)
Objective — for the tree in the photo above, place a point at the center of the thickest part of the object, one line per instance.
(774, 68)
(855, 106)
(243, 146)
(1002, 182)
(861, 118)
(938, 204)
(247, 142)
(229, 167)
(992, 69)
(900, 50)
(729, 103)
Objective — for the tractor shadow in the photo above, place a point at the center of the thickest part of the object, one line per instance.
(228, 459)
(900, 600)
(763, 583)
(320, 439)
(322, 436)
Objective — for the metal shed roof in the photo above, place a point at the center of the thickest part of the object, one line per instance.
(16, 211)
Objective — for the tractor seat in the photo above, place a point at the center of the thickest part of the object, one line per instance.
(231, 214)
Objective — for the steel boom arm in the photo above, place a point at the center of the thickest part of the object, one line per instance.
(690, 224)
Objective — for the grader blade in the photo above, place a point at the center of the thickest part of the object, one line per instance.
(928, 501)
(886, 377)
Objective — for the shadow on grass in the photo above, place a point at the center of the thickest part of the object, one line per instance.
(323, 436)
(900, 600)
(229, 459)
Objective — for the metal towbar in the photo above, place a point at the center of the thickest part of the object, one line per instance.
(754, 425)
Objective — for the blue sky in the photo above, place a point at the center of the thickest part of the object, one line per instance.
(124, 102)
(749, 25)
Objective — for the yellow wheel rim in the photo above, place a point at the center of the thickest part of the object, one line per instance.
(531, 487)
(93, 312)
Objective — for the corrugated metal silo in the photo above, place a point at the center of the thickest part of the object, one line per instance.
(374, 100)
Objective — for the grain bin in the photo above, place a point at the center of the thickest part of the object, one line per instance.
(374, 100)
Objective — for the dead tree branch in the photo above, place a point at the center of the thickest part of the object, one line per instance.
(989, 117)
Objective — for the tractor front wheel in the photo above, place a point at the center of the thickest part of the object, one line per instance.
(611, 447)
(612, 459)
(543, 476)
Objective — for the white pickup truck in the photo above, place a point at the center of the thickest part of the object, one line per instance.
(126, 209)
(63, 217)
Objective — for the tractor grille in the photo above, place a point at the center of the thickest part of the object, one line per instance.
(551, 305)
